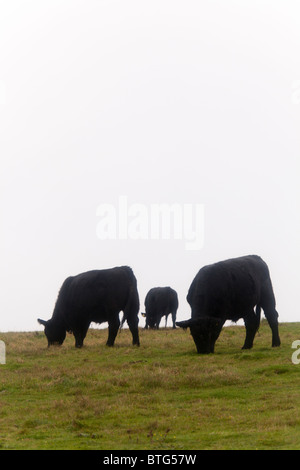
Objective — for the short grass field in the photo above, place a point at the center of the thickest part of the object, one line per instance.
(160, 396)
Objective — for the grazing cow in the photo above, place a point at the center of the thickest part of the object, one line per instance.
(94, 296)
(159, 302)
(230, 290)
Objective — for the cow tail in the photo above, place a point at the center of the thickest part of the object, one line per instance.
(127, 309)
(132, 304)
(258, 313)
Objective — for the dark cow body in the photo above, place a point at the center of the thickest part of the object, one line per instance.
(94, 296)
(230, 290)
(159, 302)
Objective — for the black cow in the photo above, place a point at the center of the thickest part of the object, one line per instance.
(159, 302)
(94, 296)
(230, 290)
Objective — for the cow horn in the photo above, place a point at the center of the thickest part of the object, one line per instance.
(42, 322)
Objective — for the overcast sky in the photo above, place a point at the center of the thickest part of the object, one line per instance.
(112, 108)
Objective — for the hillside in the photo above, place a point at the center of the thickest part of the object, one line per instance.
(162, 395)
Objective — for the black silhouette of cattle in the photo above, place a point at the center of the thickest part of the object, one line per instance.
(159, 302)
(230, 290)
(94, 296)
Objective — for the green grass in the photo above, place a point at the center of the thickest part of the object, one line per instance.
(161, 396)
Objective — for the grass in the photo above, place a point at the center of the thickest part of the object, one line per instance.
(161, 396)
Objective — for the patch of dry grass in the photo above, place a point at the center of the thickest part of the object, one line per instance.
(162, 395)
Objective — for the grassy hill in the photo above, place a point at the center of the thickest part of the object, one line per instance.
(162, 395)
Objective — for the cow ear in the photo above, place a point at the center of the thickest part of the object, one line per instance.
(42, 322)
(184, 324)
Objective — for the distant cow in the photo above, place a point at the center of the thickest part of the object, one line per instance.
(94, 296)
(230, 290)
(159, 302)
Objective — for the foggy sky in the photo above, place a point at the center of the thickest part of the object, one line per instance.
(161, 102)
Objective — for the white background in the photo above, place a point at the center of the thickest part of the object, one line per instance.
(163, 101)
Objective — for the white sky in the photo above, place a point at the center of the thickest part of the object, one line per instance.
(161, 101)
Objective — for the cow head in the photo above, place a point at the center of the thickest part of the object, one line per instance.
(54, 332)
(151, 320)
(205, 332)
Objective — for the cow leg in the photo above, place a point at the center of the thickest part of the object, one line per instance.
(131, 311)
(80, 334)
(157, 322)
(78, 340)
(268, 305)
(252, 324)
(133, 326)
(174, 319)
(113, 327)
(272, 317)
